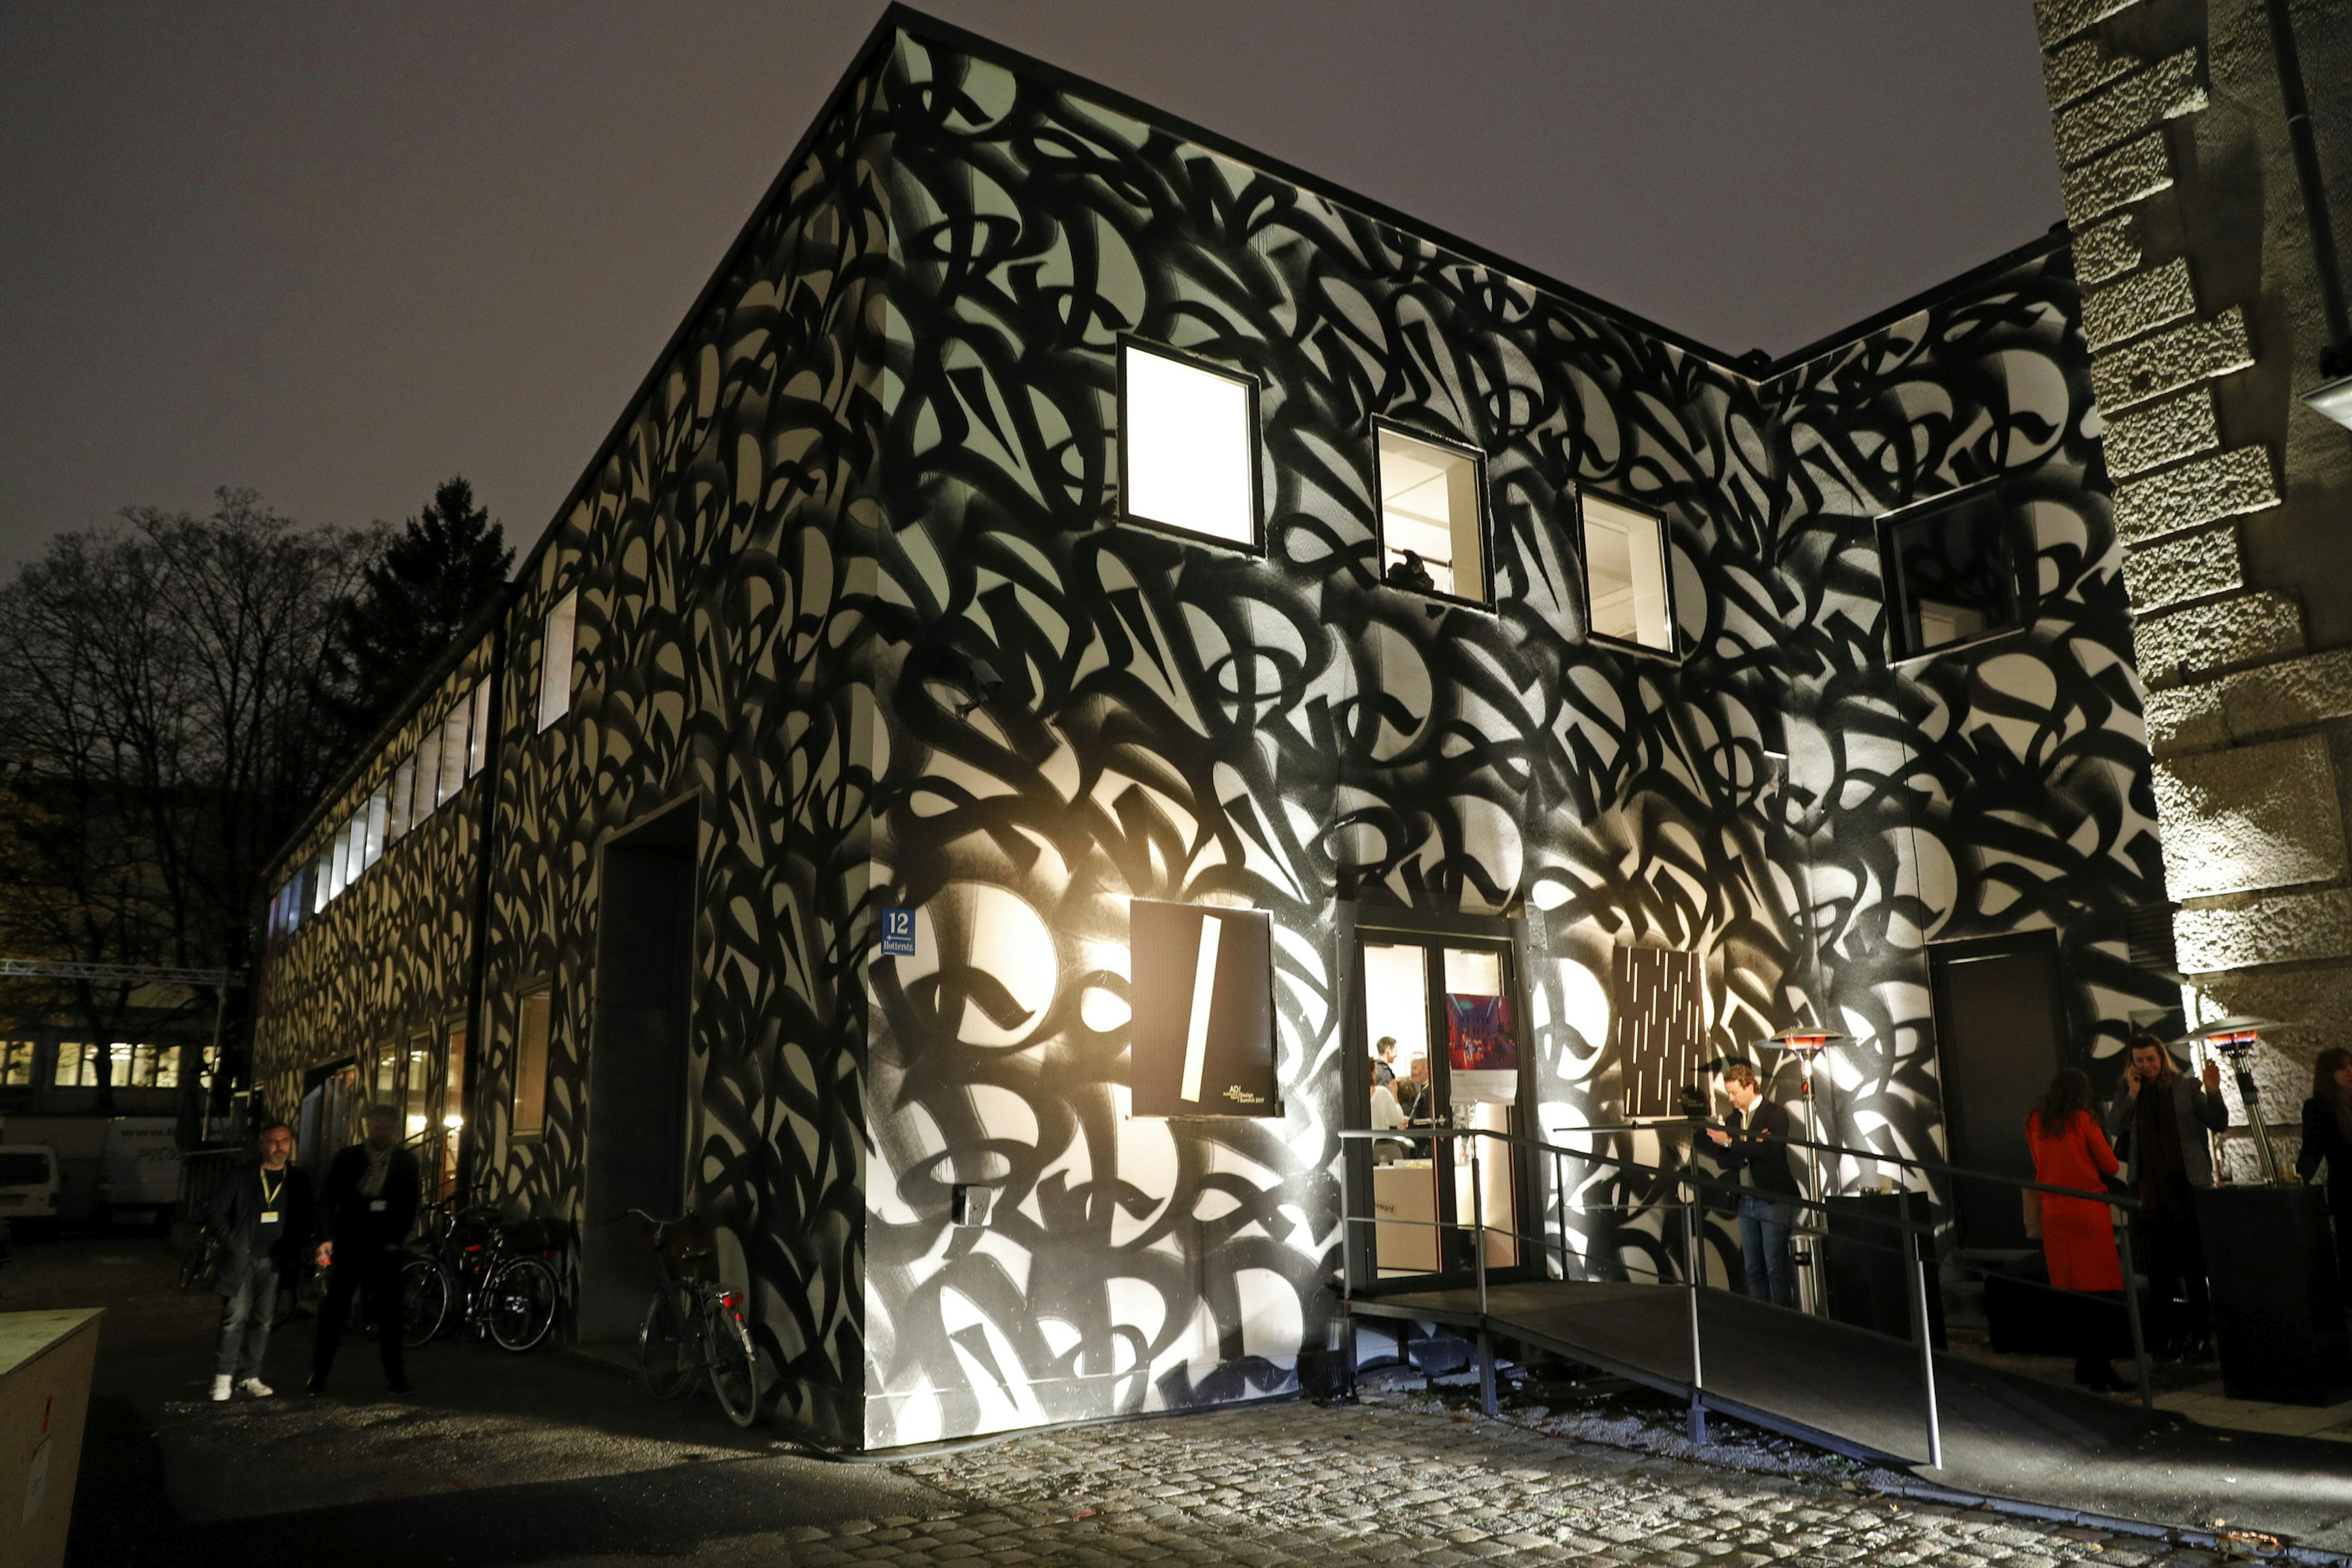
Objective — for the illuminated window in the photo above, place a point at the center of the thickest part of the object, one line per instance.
(403, 789)
(379, 817)
(1432, 535)
(413, 1120)
(452, 1079)
(478, 752)
(76, 1067)
(1188, 446)
(427, 781)
(322, 880)
(530, 1065)
(454, 725)
(1951, 572)
(15, 1064)
(1625, 595)
(555, 659)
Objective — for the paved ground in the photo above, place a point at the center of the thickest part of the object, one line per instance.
(544, 1459)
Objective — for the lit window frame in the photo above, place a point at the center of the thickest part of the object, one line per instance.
(2017, 542)
(1485, 513)
(529, 1085)
(565, 608)
(1673, 654)
(1251, 388)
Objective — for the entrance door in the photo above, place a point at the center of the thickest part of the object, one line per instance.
(636, 1065)
(1439, 1011)
(1997, 1032)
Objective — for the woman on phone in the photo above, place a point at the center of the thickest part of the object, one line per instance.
(2077, 1238)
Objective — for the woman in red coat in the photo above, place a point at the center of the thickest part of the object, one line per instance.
(2077, 1237)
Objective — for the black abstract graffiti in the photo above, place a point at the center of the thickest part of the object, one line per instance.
(885, 446)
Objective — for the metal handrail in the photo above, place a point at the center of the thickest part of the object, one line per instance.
(1921, 1248)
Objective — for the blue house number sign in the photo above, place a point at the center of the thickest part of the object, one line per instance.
(898, 934)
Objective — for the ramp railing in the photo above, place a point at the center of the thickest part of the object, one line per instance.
(1917, 1242)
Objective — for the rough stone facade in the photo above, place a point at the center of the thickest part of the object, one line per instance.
(2170, 124)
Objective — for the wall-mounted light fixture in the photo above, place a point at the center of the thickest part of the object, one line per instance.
(983, 681)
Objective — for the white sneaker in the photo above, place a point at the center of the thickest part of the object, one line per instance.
(255, 1387)
(220, 1388)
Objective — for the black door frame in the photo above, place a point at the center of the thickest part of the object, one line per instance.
(1948, 1095)
(1358, 923)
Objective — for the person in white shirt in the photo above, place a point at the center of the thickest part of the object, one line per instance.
(1387, 1116)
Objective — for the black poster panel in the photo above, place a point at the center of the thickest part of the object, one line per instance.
(1203, 989)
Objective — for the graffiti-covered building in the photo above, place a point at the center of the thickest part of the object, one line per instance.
(1086, 632)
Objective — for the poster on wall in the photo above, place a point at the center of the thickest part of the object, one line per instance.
(1661, 1005)
(1480, 1053)
(1202, 990)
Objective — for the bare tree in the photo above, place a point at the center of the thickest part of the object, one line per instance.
(161, 731)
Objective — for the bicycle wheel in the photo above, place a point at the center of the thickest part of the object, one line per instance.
(424, 1302)
(665, 1358)
(520, 1302)
(197, 1267)
(734, 1367)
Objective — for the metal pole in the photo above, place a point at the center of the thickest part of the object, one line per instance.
(1559, 1189)
(2131, 1313)
(1478, 1232)
(1920, 1251)
(1690, 1271)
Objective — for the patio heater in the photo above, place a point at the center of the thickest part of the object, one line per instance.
(1805, 1044)
(2236, 1037)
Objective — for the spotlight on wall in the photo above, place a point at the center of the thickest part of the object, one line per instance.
(2333, 399)
(984, 683)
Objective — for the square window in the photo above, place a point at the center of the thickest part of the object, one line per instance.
(1432, 535)
(555, 660)
(1625, 595)
(1188, 446)
(1951, 572)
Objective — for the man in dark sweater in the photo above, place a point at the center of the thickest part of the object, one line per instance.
(373, 1192)
(1758, 1144)
(2161, 1123)
(266, 1219)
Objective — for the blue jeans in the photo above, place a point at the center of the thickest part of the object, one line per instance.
(1764, 1247)
(245, 1324)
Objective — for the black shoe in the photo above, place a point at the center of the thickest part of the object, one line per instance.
(315, 1383)
(398, 1388)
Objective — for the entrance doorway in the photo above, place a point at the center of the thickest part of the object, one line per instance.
(1441, 1051)
(1999, 1027)
(636, 1064)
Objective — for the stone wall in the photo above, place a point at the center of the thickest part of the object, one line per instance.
(2205, 320)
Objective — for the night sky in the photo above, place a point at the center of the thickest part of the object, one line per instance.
(338, 252)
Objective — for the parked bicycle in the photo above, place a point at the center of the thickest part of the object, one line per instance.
(478, 1272)
(694, 1329)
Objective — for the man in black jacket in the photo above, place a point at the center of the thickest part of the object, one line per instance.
(266, 1220)
(1759, 1144)
(373, 1192)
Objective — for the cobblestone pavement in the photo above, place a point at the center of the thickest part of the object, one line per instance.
(1295, 1483)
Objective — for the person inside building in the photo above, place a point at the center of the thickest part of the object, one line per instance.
(1758, 1146)
(1413, 1091)
(373, 1191)
(2078, 1238)
(1387, 1115)
(2327, 1141)
(2161, 1120)
(265, 1219)
(1384, 1066)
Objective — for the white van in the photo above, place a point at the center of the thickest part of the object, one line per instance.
(139, 1180)
(28, 1182)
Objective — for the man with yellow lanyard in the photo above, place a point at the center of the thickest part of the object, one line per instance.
(266, 1220)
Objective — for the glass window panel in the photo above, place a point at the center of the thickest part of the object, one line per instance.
(420, 1086)
(76, 1065)
(322, 880)
(404, 785)
(1396, 1001)
(1473, 972)
(453, 749)
(167, 1067)
(1188, 449)
(530, 1066)
(1430, 534)
(478, 751)
(1953, 575)
(555, 659)
(120, 1062)
(379, 816)
(1625, 575)
(428, 777)
(452, 1079)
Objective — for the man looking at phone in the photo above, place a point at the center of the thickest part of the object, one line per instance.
(373, 1192)
(2166, 1115)
(1759, 1143)
(265, 1219)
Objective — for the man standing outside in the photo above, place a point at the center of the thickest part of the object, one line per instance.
(2168, 1116)
(1759, 1143)
(266, 1219)
(373, 1192)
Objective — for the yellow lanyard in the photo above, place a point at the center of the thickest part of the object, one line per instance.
(269, 1192)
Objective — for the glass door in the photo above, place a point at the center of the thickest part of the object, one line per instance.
(1441, 1053)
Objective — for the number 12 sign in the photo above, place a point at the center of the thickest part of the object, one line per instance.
(898, 934)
